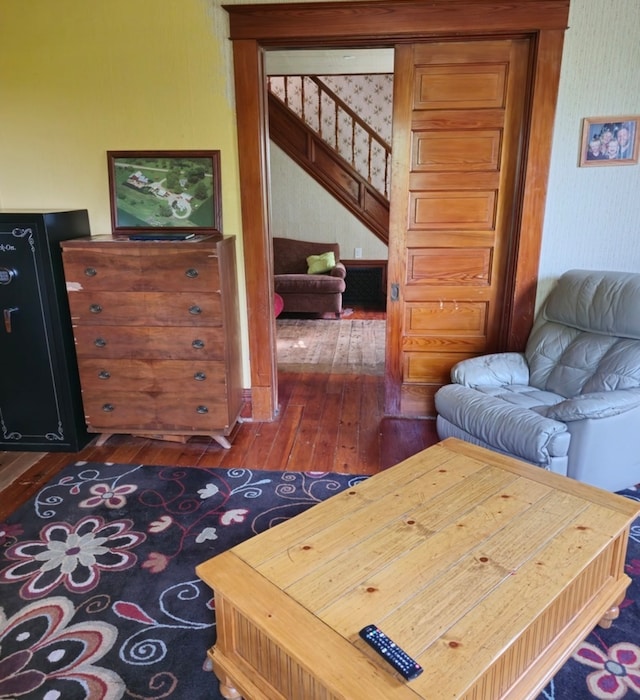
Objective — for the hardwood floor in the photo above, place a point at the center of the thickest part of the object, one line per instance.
(326, 422)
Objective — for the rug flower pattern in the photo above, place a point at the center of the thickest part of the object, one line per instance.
(99, 597)
(97, 579)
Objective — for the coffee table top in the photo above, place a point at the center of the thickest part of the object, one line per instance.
(452, 553)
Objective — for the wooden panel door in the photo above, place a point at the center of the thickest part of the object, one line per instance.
(454, 212)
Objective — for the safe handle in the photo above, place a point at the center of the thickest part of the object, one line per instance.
(7, 317)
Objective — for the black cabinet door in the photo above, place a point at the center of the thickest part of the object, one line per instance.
(40, 399)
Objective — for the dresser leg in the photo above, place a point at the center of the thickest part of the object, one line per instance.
(222, 440)
(102, 438)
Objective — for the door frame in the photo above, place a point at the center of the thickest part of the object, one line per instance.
(378, 24)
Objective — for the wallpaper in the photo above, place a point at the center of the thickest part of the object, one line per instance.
(369, 96)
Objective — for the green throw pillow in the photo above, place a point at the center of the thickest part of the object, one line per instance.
(321, 263)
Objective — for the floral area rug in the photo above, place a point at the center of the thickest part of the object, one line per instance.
(98, 593)
(99, 597)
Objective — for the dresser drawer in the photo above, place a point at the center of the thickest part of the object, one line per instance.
(100, 376)
(150, 343)
(145, 308)
(152, 269)
(117, 411)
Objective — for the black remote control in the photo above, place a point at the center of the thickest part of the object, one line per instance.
(406, 666)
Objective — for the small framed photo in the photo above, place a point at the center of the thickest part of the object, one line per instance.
(609, 141)
(165, 192)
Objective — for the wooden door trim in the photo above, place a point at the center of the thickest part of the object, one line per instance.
(349, 24)
(304, 24)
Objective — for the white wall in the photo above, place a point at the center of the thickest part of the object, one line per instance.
(300, 208)
(592, 218)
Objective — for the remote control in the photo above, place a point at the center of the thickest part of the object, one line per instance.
(406, 666)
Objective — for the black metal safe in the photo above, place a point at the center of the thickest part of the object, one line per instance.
(40, 399)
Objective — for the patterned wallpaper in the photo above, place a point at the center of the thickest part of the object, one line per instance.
(370, 96)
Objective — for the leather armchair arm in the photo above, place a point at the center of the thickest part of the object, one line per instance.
(497, 369)
(508, 428)
(339, 271)
(602, 404)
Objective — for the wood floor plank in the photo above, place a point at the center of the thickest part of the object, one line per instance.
(12, 463)
(313, 391)
(265, 434)
(323, 457)
(346, 460)
(401, 437)
(278, 456)
(236, 456)
(369, 439)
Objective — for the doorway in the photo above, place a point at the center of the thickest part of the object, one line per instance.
(325, 90)
(256, 28)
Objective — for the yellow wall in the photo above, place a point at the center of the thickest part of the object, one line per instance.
(79, 78)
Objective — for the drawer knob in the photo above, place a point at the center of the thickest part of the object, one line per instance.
(198, 344)
(100, 342)
(90, 271)
(202, 409)
(108, 407)
(191, 273)
(95, 308)
(104, 374)
(195, 310)
(199, 376)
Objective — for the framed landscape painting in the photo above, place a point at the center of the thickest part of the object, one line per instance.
(165, 192)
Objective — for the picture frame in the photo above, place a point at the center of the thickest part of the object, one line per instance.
(165, 193)
(609, 141)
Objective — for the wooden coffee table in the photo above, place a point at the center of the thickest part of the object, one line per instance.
(485, 569)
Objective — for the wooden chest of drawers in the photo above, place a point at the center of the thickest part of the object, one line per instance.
(157, 335)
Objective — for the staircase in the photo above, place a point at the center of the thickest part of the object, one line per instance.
(323, 135)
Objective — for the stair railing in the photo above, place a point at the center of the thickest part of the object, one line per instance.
(337, 125)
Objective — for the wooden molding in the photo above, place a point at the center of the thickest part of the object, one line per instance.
(390, 21)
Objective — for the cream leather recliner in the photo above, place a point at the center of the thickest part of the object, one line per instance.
(571, 401)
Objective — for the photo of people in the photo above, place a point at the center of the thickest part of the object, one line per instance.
(609, 141)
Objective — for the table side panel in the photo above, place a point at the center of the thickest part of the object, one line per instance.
(259, 617)
(542, 669)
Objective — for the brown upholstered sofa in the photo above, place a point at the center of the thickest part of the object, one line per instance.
(300, 291)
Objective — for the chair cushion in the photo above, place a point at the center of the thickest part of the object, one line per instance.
(520, 395)
(598, 302)
(510, 428)
(308, 284)
(587, 338)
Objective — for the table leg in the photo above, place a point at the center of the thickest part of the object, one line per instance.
(612, 613)
(227, 690)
